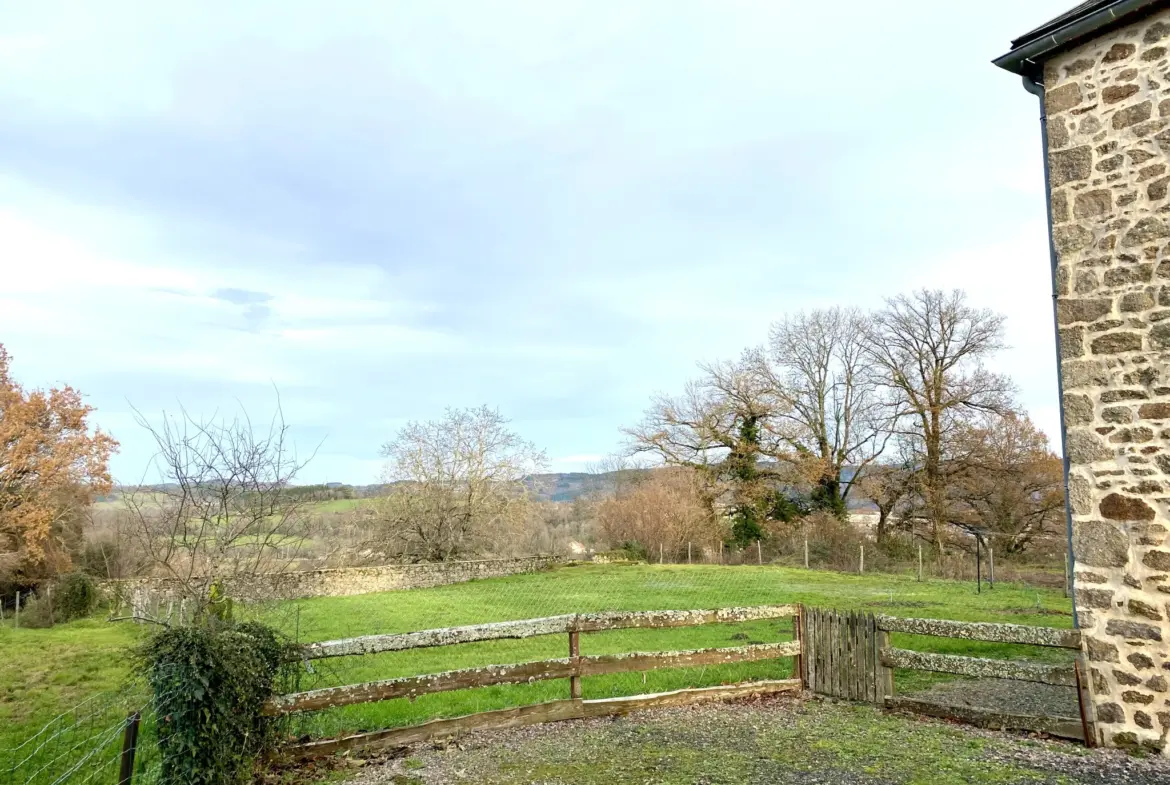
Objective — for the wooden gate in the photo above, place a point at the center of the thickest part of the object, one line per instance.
(841, 655)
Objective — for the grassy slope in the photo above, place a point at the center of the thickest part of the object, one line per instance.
(44, 671)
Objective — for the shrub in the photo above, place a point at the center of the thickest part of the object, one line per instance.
(210, 683)
(75, 597)
(36, 613)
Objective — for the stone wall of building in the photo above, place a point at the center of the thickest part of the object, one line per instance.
(1108, 106)
(143, 593)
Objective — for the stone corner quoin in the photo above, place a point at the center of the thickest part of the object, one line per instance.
(1108, 107)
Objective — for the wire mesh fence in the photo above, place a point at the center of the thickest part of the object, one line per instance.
(93, 741)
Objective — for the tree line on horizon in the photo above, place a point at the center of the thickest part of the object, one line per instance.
(895, 406)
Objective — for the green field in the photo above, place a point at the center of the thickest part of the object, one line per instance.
(44, 672)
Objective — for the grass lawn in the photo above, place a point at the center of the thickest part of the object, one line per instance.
(43, 672)
(46, 672)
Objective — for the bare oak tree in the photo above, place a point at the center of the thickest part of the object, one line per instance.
(929, 347)
(222, 505)
(727, 425)
(831, 399)
(458, 482)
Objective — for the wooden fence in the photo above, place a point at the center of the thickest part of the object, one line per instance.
(841, 654)
(573, 667)
(1070, 675)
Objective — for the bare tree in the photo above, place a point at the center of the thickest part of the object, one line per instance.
(664, 512)
(929, 347)
(221, 507)
(830, 397)
(458, 483)
(727, 426)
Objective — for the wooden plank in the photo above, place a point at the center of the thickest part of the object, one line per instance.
(552, 711)
(609, 706)
(527, 628)
(490, 675)
(620, 620)
(413, 686)
(984, 631)
(1061, 676)
(835, 655)
(644, 661)
(529, 715)
(886, 674)
(574, 657)
(1063, 727)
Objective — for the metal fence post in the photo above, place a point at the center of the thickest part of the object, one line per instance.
(129, 746)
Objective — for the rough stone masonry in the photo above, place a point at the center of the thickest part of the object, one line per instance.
(1108, 107)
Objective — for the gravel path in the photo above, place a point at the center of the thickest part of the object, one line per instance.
(1006, 696)
(780, 741)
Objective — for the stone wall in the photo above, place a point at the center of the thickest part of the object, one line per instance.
(144, 592)
(1108, 105)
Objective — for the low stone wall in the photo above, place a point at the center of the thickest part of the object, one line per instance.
(341, 582)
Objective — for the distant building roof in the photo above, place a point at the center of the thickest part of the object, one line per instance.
(1088, 20)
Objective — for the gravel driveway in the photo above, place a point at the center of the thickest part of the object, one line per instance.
(778, 740)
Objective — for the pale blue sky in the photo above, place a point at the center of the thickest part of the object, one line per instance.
(553, 207)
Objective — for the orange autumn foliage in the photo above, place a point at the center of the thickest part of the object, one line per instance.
(51, 468)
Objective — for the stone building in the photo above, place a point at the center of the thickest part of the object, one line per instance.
(1102, 73)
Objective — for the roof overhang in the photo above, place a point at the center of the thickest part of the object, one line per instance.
(1087, 21)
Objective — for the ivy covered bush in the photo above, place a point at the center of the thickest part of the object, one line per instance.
(210, 683)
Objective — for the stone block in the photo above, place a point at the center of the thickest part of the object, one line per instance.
(1125, 508)
(1134, 630)
(1099, 544)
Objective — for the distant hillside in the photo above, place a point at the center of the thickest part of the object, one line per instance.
(552, 487)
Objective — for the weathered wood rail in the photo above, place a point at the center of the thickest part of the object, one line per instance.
(549, 625)
(573, 667)
(1081, 728)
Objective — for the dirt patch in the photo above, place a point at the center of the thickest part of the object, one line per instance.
(781, 741)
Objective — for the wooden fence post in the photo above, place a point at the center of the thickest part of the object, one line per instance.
(688, 552)
(574, 653)
(721, 551)
(760, 551)
(798, 634)
(920, 562)
(806, 553)
(990, 564)
(861, 563)
(660, 553)
(129, 746)
(885, 674)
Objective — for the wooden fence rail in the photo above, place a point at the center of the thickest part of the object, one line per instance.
(523, 673)
(550, 625)
(982, 631)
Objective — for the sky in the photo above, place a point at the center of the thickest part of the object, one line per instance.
(377, 210)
